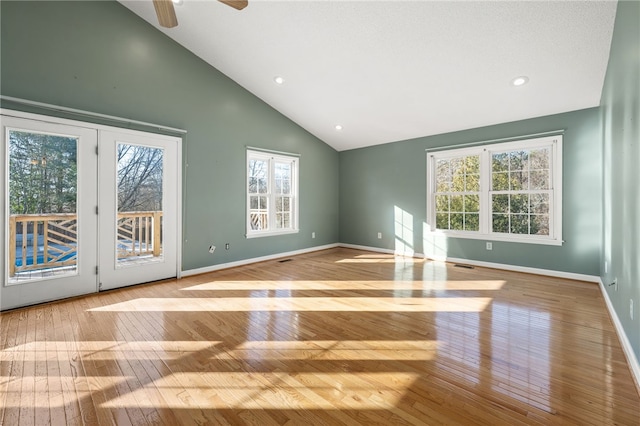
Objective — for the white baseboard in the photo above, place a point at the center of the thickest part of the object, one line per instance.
(242, 262)
(632, 360)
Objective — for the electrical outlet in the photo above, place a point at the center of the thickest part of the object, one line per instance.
(313, 235)
(379, 235)
(226, 246)
(212, 249)
(631, 308)
(489, 246)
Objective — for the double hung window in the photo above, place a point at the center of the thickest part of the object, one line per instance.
(508, 191)
(272, 194)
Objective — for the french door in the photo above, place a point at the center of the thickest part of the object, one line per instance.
(49, 217)
(84, 208)
(138, 208)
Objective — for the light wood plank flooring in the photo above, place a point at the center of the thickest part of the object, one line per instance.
(338, 337)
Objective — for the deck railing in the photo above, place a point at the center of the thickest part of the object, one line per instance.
(51, 238)
(259, 219)
(139, 234)
(45, 241)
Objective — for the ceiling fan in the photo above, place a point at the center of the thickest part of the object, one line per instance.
(167, 14)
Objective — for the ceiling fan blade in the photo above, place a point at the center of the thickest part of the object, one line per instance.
(166, 13)
(236, 4)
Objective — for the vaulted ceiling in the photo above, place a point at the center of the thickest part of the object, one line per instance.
(392, 70)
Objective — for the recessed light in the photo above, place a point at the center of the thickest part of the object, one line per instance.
(177, 2)
(519, 81)
(338, 127)
(278, 80)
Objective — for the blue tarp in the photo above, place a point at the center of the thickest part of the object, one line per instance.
(53, 253)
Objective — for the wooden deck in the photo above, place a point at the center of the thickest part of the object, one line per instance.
(338, 337)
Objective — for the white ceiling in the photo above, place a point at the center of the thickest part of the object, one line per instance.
(394, 70)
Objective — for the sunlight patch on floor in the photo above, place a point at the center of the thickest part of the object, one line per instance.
(398, 257)
(300, 304)
(273, 391)
(324, 350)
(349, 286)
(105, 350)
(352, 350)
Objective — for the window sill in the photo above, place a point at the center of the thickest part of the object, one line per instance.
(497, 237)
(271, 233)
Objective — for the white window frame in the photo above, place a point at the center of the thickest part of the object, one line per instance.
(554, 143)
(272, 159)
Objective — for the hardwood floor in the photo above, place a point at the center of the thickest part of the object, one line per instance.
(338, 337)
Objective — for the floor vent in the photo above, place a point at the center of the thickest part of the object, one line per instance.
(458, 265)
(284, 260)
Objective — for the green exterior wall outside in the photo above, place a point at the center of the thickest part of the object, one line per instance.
(100, 57)
(620, 108)
(383, 189)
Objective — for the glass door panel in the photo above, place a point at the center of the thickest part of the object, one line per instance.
(139, 185)
(43, 216)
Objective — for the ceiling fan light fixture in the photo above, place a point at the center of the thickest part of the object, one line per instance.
(520, 81)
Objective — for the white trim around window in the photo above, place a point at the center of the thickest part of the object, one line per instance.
(272, 194)
(509, 191)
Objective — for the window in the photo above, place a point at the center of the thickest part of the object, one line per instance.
(457, 193)
(272, 194)
(506, 192)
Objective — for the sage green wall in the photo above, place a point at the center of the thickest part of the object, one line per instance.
(100, 57)
(385, 184)
(620, 107)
